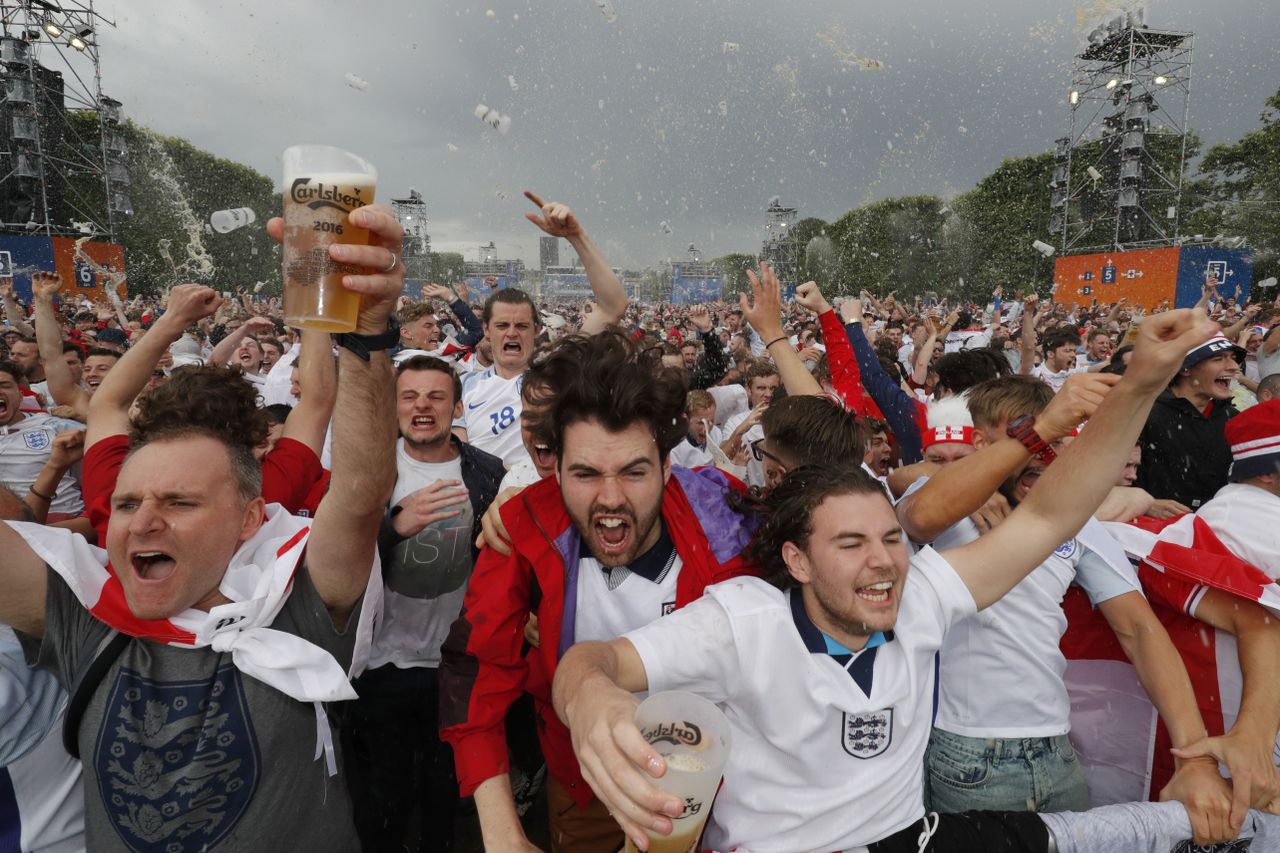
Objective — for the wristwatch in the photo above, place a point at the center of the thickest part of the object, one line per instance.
(1024, 430)
(362, 345)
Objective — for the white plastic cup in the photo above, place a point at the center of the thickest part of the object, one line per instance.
(226, 221)
(692, 735)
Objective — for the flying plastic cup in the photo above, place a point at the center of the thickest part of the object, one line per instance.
(692, 736)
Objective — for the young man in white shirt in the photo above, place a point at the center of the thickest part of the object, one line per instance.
(26, 440)
(762, 381)
(1060, 347)
(846, 655)
(491, 399)
(400, 767)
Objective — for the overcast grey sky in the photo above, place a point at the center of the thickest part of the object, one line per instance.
(647, 119)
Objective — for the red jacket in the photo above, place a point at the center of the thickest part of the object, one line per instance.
(483, 670)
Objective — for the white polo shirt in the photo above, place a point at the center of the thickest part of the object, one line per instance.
(1002, 670)
(824, 758)
(491, 412)
(24, 449)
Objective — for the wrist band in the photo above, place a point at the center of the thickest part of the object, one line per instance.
(774, 341)
(44, 497)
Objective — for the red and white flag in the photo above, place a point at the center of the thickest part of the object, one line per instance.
(1122, 745)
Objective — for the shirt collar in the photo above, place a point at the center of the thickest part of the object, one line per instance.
(819, 643)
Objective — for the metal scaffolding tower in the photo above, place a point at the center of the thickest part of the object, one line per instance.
(50, 164)
(411, 213)
(1118, 174)
(779, 249)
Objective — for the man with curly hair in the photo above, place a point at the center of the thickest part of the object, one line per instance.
(615, 540)
(828, 671)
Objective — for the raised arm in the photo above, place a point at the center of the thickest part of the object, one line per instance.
(764, 312)
(318, 381)
(225, 348)
(63, 389)
(993, 564)
(558, 220)
(109, 405)
(711, 368)
(962, 487)
(924, 353)
(900, 408)
(13, 312)
(343, 537)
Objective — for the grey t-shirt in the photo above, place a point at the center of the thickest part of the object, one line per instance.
(182, 752)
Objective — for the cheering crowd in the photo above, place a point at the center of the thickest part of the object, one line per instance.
(403, 588)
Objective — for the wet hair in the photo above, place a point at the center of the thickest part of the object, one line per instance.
(698, 399)
(960, 371)
(810, 430)
(1060, 337)
(214, 402)
(414, 311)
(787, 513)
(1002, 400)
(510, 296)
(14, 371)
(606, 378)
(758, 368)
(430, 362)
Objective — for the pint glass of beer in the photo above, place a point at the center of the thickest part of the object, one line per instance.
(692, 736)
(321, 186)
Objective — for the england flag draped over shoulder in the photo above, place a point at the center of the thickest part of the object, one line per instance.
(1122, 745)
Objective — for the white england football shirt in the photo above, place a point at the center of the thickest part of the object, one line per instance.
(824, 757)
(1002, 670)
(24, 449)
(491, 412)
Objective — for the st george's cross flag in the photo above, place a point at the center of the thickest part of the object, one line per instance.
(1122, 745)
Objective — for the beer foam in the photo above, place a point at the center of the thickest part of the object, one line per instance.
(336, 179)
(686, 762)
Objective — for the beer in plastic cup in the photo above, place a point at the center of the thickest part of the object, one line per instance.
(322, 185)
(692, 736)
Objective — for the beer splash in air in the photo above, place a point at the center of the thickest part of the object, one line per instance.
(196, 264)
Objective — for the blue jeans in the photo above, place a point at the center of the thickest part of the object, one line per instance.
(1003, 774)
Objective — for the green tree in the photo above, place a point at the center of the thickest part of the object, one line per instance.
(889, 245)
(991, 244)
(735, 266)
(174, 188)
(1243, 197)
(446, 267)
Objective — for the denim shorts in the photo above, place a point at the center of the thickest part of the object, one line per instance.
(1003, 774)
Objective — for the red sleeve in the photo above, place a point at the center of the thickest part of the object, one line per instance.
(99, 471)
(481, 670)
(1176, 594)
(289, 473)
(845, 377)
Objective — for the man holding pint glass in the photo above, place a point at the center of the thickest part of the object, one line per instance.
(826, 669)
